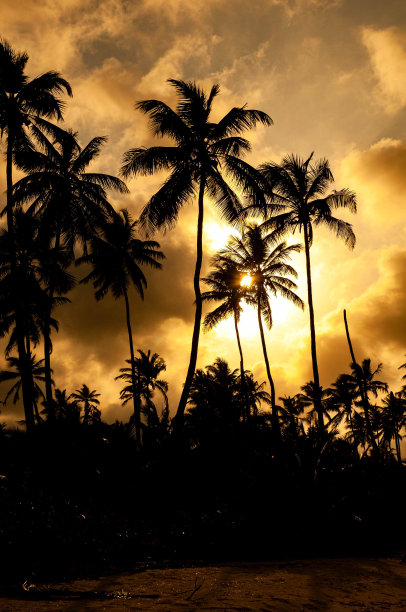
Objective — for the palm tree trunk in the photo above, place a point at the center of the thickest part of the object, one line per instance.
(136, 403)
(275, 419)
(179, 418)
(48, 348)
(363, 394)
(16, 292)
(317, 398)
(243, 389)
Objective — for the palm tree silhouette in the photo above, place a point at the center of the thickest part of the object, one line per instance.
(88, 399)
(254, 394)
(309, 395)
(35, 262)
(116, 258)
(65, 409)
(297, 201)
(23, 103)
(147, 370)
(393, 418)
(364, 376)
(291, 410)
(70, 202)
(205, 152)
(255, 253)
(15, 375)
(213, 404)
(225, 286)
(340, 399)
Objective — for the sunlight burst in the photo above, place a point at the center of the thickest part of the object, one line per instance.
(246, 281)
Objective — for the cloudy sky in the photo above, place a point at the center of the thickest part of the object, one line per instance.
(332, 75)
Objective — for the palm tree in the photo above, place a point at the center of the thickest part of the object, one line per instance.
(65, 409)
(309, 395)
(364, 376)
(147, 370)
(116, 258)
(15, 375)
(254, 394)
(298, 189)
(340, 399)
(70, 201)
(291, 410)
(35, 262)
(23, 103)
(255, 253)
(393, 418)
(225, 286)
(88, 399)
(204, 153)
(213, 405)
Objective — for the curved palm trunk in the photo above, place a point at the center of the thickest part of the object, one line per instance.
(364, 396)
(136, 402)
(245, 409)
(26, 378)
(317, 398)
(275, 418)
(179, 418)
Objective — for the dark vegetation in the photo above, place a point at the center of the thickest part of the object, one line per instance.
(238, 472)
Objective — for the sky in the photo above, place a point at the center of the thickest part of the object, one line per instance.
(332, 75)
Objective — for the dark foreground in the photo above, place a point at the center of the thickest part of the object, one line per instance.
(317, 584)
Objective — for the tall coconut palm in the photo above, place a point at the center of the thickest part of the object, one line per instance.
(116, 258)
(88, 400)
(148, 367)
(23, 103)
(225, 286)
(70, 201)
(256, 253)
(204, 156)
(298, 188)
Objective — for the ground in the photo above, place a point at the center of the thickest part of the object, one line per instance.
(318, 584)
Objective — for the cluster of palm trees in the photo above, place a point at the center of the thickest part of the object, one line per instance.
(343, 405)
(59, 214)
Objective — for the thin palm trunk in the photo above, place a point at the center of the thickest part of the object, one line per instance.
(178, 421)
(48, 348)
(363, 393)
(16, 292)
(317, 398)
(243, 387)
(136, 403)
(275, 419)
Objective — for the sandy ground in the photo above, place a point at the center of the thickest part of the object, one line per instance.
(320, 584)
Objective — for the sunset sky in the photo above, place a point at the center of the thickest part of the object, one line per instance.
(332, 75)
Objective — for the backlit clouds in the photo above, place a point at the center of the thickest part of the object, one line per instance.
(378, 176)
(387, 49)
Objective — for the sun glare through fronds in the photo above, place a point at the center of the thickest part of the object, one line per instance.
(246, 281)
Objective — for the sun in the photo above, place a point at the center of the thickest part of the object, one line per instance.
(246, 281)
